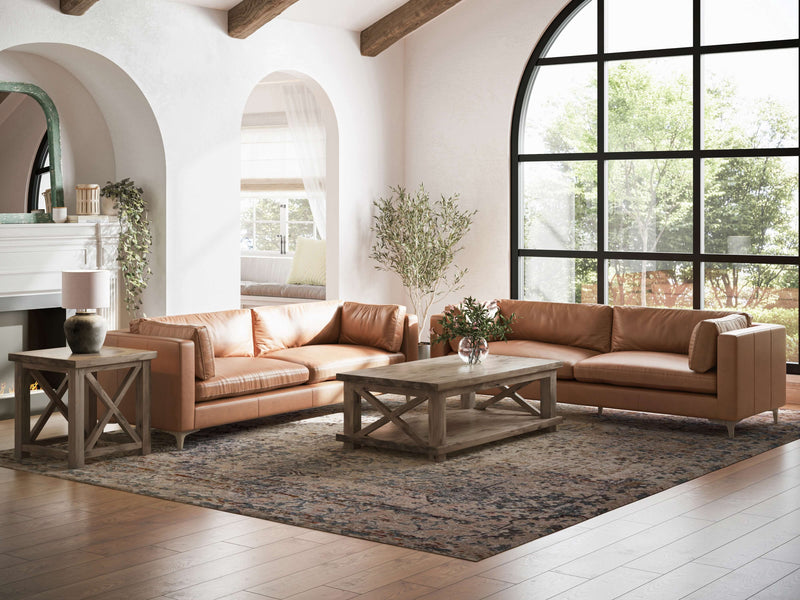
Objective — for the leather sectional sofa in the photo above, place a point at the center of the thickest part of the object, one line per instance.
(695, 363)
(227, 366)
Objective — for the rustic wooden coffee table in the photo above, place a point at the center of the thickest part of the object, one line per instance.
(441, 432)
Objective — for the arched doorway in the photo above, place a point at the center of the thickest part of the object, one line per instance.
(289, 192)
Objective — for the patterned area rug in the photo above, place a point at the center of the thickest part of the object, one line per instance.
(291, 469)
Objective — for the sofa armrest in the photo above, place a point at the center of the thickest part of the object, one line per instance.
(751, 371)
(439, 348)
(410, 345)
(172, 378)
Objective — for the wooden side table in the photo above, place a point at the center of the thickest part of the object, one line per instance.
(84, 429)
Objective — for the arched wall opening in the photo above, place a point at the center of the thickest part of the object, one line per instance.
(108, 129)
(265, 102)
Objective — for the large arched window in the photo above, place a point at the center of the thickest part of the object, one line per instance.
(654, 158)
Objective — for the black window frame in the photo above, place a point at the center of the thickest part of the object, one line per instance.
(601, 156)
(39, 169)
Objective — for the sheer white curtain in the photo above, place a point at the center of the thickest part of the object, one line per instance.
(308, 130)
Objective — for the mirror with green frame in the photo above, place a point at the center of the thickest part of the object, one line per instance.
(30, 156)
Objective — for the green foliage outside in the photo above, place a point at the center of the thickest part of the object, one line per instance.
(749, 201)
(135, 239)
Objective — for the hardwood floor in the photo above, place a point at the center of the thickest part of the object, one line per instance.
(731, 534)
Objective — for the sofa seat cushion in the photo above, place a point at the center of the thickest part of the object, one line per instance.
(324, 361)
(569, 355)
(659, 370)
(236, 376)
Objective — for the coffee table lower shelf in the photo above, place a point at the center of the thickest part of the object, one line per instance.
(466, 428)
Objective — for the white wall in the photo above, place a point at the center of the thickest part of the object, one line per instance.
(196, 80)
(462, 74)
(22, 127)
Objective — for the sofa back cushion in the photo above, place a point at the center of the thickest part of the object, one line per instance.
(374, 325)
(231, 330)
(582, 325)
(294, 325)
(204, 367)
(657, 329)
(703, 343)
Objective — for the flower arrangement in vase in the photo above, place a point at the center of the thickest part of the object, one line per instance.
(475, 323)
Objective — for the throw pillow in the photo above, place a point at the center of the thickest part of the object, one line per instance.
(308, 264)
(376, 325)
(203, 348)
(703, 343)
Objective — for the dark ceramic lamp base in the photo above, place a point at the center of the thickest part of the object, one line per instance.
(85, 332)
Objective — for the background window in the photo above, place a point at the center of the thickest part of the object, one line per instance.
(655, 159)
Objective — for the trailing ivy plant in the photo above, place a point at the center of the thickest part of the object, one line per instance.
(418, 239)
(135, 240)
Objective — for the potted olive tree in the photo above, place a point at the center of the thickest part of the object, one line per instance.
(135, 239)
(418, 239)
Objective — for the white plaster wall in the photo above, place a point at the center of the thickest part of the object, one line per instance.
(196, 80)
(462, 75)
(22, 127)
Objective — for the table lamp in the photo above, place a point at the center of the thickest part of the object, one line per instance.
(85, 291)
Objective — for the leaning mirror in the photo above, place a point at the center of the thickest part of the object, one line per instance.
(30, 155)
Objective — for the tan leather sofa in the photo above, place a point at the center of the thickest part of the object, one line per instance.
(639, 358)
(227, 366)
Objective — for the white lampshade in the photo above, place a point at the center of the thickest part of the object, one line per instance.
(85, 289)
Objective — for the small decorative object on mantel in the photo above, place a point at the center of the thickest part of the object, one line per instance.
(475, 323)
(59, 214)
(87, 199)
(85, 291)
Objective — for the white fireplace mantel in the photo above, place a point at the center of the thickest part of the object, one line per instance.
(32, 257)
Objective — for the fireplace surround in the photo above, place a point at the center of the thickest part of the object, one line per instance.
(32, 257)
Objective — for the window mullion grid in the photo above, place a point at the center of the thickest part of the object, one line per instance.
(697, 161)
(602, 107)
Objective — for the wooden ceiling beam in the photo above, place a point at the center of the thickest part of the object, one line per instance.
(249, 16)
(76, 7)
(399, 23)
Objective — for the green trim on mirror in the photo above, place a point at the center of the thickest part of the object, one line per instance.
(53, 133)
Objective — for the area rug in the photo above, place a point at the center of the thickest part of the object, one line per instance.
(476, 504)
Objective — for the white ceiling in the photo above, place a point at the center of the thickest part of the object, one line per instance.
(355, 15)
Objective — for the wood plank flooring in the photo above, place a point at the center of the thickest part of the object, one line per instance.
(732, 534)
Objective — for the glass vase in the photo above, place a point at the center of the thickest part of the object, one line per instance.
(473, 350)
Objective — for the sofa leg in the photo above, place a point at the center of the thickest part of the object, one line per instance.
(775, 416)
(180, 436)
(730, 425)
(599, 411)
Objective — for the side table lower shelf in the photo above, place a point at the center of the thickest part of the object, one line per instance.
(78, 378)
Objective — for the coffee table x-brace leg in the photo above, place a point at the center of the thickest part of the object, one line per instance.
(389, 415)
(547, 406)
(353, 395)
